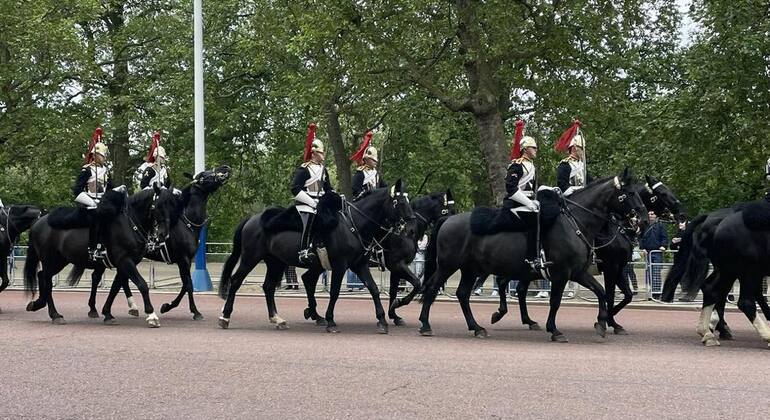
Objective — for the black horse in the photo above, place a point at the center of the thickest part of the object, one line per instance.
(400, 250)
(567, 243)
(13, 221)
(613, 251)
(384, 211)
(182, 242)
(125, 237)
(707, 239)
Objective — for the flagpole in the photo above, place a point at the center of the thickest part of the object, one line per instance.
(200, 277)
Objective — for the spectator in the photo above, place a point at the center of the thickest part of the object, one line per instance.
(653, 243)
(629, 274)
(677, 239)
(290, 274)
(419, 259)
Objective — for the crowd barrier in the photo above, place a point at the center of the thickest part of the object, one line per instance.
(650, 270)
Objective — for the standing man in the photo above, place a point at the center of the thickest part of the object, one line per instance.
(154, 170)
(366, 177)
(94, 180)
(654, 239)
(520, 186)
(309, 183)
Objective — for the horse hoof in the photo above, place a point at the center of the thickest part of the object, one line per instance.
(110, 321)
(93, 314)
(382, 328)
(282, 326)
(306, 313)
(560, 338)
(58, 321)
(153, 321)
(620, 331)
(399, 322)
(426, 332)
(482, 333)
(197, 316)
(223, 323)
(31, 307)
(332, 329)
(134, 312)
(534, 327)
(496, 317)
(711, 342)
(320, 322)
(163, 308)
(601, 329)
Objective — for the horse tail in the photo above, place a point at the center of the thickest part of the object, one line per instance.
(684, 259)
(232, 260)
(30, 270)
(75, 274)
(431, 261)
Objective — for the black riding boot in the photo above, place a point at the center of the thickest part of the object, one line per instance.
(95, 249)
(306, 254)
(534, 257)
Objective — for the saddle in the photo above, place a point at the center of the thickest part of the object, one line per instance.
(756, 215)
(282, 219)
(489, 221)
(112, 204)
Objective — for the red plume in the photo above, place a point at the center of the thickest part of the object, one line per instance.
(153, 146)
(309, 142)
(563, 143)
(358, 155)
(95, 138)
(517, 134)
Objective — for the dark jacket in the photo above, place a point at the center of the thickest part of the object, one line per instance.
(302, 174)
(358, 182)
(149, 173)
(81, 182)
(654, 237)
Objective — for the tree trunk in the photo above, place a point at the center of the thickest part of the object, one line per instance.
(333, 131)
(491, 141)
(118, 92)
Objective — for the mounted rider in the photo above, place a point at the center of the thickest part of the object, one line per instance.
(571, 173)
(520, 186)
(94, 180)
(154, 170)
(366, 177)
(767, 178)
(310, 182)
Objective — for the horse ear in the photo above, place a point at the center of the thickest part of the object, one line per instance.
(626, 177)
(188, 175)
(449, 195)
(650, 180)
(399, 186)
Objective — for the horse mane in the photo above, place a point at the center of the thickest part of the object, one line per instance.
(423, 200)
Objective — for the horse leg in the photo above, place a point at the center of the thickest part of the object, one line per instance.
(96, 277)
(464, 290)
(715, 291)
(393, 299)
(273, 276)
(178, 298)
(310, 281)
(521, 293)
(117, 284)
(244, 268)
(402, 270)
(725, 333)
(762, 301)
(628, 296)
(751, 287)
(40, 302)
(558, 283)
(334, 294)
(364, 274)
(431, 288)
(4, 280)
(47, 278)
(133, 310)
(132, 273)
(502, 309)
(592, 284)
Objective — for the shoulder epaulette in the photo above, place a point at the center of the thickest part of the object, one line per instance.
(306, 164)
(567, 159)
(361, 168)
(87, 165)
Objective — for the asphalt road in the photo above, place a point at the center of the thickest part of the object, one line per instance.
(188, 369)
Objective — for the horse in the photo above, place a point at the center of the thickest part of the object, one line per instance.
(129, 222)
(181, 244)
(691, 265)
(614, 252)
(399, 250)
(380, 212)
(14, 220)
(567, 244)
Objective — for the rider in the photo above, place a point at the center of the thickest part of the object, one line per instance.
(94, 180)
(311, 181)
(571, 173)
(366, 177)
(154, 170)
(520, 186)
(767, 178)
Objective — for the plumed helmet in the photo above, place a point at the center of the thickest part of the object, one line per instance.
(160, 152)
(317, 146)
(527, 141)
(101, 149)
(371, 153)
(577, 140)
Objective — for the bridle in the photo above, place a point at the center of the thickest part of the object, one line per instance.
(668, 216)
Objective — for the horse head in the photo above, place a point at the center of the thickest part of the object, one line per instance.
(398, 211)
(626, 201)
(660, 199)
(210, 180)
